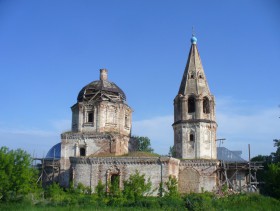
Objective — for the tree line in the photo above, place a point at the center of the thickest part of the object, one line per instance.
(270, 176)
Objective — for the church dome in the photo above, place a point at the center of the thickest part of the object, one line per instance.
(100, 86)
(54, 152)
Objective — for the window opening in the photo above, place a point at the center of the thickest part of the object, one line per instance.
(90, 117)
(82, 151)
(126, 121)
(191, 105)
(206, 106)
(191, 137)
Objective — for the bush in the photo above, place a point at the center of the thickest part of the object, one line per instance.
(17, 177)
(136, 187)
(199, 201)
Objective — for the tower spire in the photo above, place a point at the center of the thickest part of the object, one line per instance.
(194, 79)
(194, 112)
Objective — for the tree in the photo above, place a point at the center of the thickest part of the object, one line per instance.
(100, 190)
(144, 144)
(276, 155)
(17, 177)
(172, 152)
(136, 187)
(273, 180)
(271, 172)
(172, 187)
(172, 196)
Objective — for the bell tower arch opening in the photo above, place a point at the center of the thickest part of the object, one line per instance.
(206, 105)
(191, 104)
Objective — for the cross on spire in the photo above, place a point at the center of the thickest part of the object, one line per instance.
(193, 32)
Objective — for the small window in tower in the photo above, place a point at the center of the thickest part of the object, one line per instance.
(191, 137)
(206, 106)
(126, 122)
(192, 76)
(200, 76)
(90, 117)
(191, 105)
(82, 151)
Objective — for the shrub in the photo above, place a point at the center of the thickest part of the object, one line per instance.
(199, 201)
(17, 177)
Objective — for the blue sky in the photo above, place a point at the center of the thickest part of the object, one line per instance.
(50, 49)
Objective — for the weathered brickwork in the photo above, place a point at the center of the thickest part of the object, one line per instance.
(192, 175)
(94, 149)
(197, 175)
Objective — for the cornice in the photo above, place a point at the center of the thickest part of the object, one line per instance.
(194, 121)
(198, 162)
(125, 160)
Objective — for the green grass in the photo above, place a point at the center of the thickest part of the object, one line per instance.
(29, 207)
(142, 154)
(204, 201)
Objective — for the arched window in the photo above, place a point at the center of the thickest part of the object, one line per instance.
(82, 151)
(191, 137)
(191, 105)
(206, 106)
(90, 117)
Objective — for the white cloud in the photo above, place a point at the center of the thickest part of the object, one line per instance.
(34, 132)
(34, 140)
(158, 129)
(248, 125)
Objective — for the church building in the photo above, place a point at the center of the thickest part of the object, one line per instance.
(99, 145)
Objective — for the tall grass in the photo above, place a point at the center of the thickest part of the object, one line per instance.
(194, 201)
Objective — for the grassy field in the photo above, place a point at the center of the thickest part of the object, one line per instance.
(189, 202)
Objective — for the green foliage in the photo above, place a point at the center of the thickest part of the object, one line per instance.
(144, 143)
(17, 177)
(194, 201)
(171, 196)
(276, 155)
(172, 188)
(114, 186)
(55, 193)
(160, 189)
(136, 187)
(201, 201)
(79, 196)
(172, 152)
(100, 189)
(272, 178)
(115, 194)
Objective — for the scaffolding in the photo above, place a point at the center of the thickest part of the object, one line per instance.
(49, 170)
(239, 177)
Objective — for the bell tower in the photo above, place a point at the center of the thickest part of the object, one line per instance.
(194, 112)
